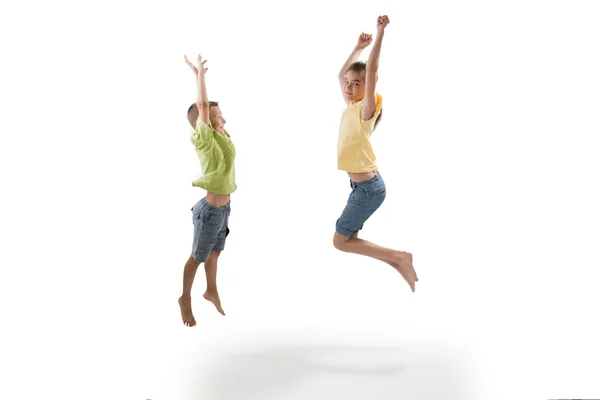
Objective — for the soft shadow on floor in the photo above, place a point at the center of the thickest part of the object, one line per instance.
(331, 372)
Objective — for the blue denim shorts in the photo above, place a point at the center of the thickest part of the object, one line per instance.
(210, 229)
(364, 200)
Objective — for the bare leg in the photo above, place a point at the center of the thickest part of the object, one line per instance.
(388, 262)
(185, 301)
(212, 294)
(400, 260)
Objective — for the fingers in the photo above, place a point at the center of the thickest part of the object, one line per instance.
(195, 68)
(364, 39)
(192, 66)
(383, 20)
(200, 62)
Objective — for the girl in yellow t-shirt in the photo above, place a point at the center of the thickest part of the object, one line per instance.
(357, 158)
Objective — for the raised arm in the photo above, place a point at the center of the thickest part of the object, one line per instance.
(363, 41)
(202, 100)
(370, 102)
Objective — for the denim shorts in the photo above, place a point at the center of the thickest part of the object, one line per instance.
(210, 229)
(364, 200)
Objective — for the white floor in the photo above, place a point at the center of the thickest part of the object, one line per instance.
(362, 336)
(260, 368)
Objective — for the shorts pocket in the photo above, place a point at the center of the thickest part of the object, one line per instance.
(205, 215)
(358, 197)
(376, 188)
(379, 188)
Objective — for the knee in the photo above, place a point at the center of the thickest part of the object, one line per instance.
(339, 242)
(192, 262)
(213, 256)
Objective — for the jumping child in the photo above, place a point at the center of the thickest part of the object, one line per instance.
(356, 156)
(210, 215)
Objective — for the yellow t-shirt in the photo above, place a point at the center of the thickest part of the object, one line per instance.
(355, 153)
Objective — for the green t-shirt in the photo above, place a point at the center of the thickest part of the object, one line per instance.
(216, 153)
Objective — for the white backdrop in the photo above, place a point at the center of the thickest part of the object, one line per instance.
(487, 146)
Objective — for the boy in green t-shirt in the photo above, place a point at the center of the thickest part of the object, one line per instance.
(210, 215)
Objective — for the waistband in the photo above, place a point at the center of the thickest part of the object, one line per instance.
(223, 207)
(374, 179)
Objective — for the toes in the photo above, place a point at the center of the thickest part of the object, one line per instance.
(190, 323)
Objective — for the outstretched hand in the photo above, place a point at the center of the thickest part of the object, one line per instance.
(382, 22)
(200, 68)
(364, 40)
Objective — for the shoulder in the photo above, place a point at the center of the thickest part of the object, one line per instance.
(378, 100)
(373, 111)
(203, 126)
(203, 130)
(203, 135)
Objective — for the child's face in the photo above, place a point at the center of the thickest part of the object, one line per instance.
(354, 88)
(216, 119)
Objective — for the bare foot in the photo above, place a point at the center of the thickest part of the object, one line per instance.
(415, 272)
(213, 297)
(402, 262)
(412, 266)
(185, 303)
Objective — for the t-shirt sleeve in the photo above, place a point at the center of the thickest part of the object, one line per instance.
(368, 125)
(202, 137)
